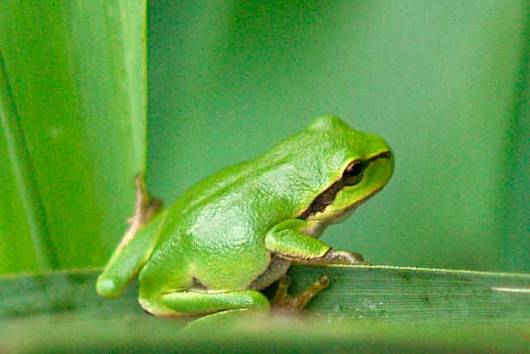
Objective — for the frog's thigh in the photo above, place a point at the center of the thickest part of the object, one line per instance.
(200, 302)
(161, 275)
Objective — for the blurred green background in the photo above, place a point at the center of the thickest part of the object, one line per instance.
(444, 82)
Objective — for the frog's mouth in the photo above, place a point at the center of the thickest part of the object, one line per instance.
(327, 197)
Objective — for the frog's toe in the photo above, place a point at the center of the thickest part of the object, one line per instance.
(107, 287)
(287, 305)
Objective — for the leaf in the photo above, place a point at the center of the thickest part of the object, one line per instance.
(407, 293)
(516, 218)
(72, 109)
(370, 308)
(126, 335)
(23, 230)
(365, 292)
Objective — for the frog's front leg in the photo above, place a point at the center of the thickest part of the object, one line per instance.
(287, 240)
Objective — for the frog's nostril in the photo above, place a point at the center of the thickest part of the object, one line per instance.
(384, 155)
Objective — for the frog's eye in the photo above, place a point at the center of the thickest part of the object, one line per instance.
(353, 173)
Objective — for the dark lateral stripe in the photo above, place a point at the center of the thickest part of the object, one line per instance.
(328, 196)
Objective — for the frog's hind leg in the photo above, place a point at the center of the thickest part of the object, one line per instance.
(197, 302)
(136, 246)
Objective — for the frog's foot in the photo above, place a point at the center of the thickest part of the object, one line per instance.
(145, 208)
(285, 304)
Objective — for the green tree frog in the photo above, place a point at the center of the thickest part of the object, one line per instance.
(237, 231)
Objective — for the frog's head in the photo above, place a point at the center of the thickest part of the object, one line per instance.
(352, 165)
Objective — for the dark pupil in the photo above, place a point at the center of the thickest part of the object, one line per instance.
(353, 174)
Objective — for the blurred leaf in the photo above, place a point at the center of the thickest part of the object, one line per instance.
(370, 308)
(72, 109)
(516, 222)
(126, 335)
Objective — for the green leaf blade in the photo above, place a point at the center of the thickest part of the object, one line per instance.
(355, 293)
(376, 308)
(416, 294)
(20, 206)
(76, 70)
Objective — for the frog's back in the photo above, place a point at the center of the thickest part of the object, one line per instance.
(214, 234)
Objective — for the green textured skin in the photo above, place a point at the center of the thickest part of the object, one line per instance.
(214, 236)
